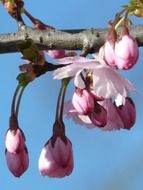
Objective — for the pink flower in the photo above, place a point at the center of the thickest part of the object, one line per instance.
(106, 82)
(71, 113)
(114, 120)
(83, 101)
(56, 159)
(14, 140)
(108, 53)
(122, 52)
(104, 85)
(108, 117)
(127, 113)
(16, 151)
(56, 54)
(97, 118)
(17, 162)
(126, 52)
(118, 117)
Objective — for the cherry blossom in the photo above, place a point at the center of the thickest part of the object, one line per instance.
(56, 159)
(106, 82)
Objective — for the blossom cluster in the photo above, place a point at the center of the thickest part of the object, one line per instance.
(101, 97)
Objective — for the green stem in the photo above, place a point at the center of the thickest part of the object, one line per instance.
(29, 16)
(18, 101)
(123, 20)
(119, 22)
(117, 17)
(60, 102)
(14, 100)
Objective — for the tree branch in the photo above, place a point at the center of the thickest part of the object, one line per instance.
(89, 40)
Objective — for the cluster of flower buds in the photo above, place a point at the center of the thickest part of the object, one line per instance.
(100, 99)
(121, 52)
(56, 159)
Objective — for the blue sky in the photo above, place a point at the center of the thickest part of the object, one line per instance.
(103, 160)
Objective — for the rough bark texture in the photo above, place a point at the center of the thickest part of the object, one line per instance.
(88, 40)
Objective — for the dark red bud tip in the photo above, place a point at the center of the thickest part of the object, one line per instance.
(58, 129)
(112, 35)
(125, 30)
(13, 122)
(99, 116)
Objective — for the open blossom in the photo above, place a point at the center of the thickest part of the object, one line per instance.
(106, 82)
(17, 163)
(56, 159)
(104, 85)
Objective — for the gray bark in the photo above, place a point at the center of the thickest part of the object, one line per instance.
(88, 40)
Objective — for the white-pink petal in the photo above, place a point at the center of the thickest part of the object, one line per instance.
(108, 83)
(114, 122)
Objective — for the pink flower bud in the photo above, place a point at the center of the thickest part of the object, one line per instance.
(98, 116)
(56, 54)
(126, 52)
(83, 101)
(109, 54)
(107, 51)
(114, 122)
(17, 163)
(127, 113)
(96, 98)
(56, 159)
(14, 140)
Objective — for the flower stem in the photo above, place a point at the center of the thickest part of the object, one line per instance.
(118, 18)
(119, 22)
(29, 16)
(19, 100)
(14, 100)
(60, 102)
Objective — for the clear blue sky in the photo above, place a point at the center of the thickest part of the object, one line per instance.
(103, 160)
